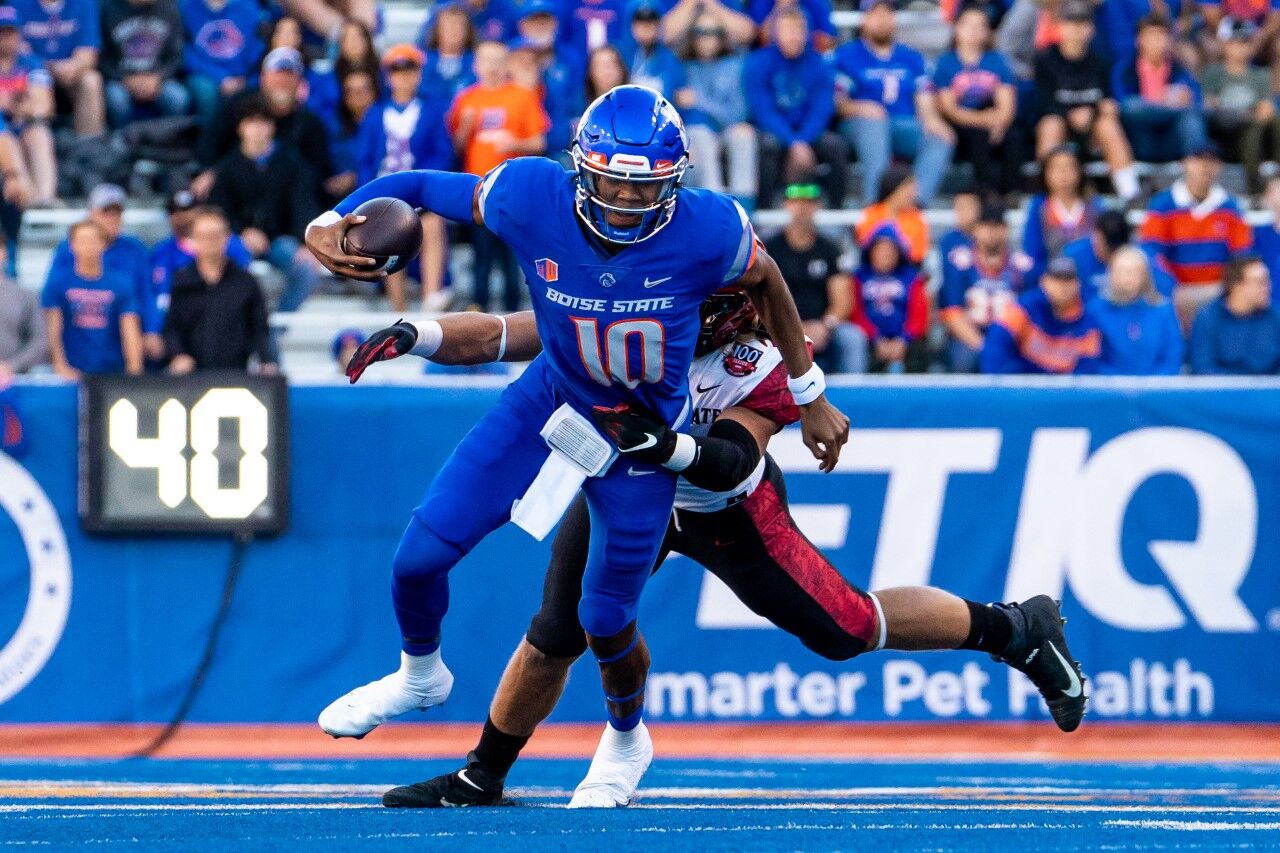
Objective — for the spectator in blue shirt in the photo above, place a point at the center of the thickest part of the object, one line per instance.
(125, 255)
(1159, 99)
(177, 251)
(976, 95)
(1063, 211)
(91, 311)
(65, 35)
(791, 90)
(1047, 330)
(1140, 333)
(818, 12)
(406, 131)
(1240, 332)
(222, 51)
(885, 98)
(26, 105)
(592, 24)
(560, 70)
(714, 107)
(448, 41)
(651, 62)
(359, 94)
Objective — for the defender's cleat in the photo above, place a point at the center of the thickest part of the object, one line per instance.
(364, 709)
(1039, 650)
(470, 786)
(619, 764)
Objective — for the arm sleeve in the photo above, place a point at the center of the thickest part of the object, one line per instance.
(90, 34)
(174, 332)
(763, 109)
(446, 193)
(1240, 237)
(772, 399)
(1046, 90)
(740, 246)
(367, 148)
(171, 59)
(999, 351)
(725, 457)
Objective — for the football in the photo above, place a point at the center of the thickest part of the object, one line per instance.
(390, 234)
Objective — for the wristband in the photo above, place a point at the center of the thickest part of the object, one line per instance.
(502, 344)
(808, 386)
(684, 454)
(430, 337)
(327, 218)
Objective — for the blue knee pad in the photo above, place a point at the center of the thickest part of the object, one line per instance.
(420, 585)
(603, 615)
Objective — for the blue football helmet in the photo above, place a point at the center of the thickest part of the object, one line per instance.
(630, 133)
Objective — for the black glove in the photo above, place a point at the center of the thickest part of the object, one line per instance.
(384, 344)
(638, 434)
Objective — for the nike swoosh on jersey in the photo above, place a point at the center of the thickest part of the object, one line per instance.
(655, 282)
(632, 472)
(1074, 688)
(702, 390)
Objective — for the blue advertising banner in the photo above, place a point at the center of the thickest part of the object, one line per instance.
(1149, 507)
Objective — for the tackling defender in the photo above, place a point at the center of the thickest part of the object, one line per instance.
(731, 516)
(618, 257)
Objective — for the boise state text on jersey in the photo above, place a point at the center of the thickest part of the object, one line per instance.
(622, 327)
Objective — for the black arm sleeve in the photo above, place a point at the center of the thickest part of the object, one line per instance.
(726, 456)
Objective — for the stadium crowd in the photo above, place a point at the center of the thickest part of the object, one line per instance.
(264, 115)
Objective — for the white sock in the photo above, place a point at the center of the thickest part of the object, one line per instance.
(421, 672)
(1126, 182)
(623, 741)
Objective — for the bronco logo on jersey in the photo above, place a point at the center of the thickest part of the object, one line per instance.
(548, 270)
(742, 361)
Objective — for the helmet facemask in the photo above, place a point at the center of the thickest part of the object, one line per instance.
(658, 185)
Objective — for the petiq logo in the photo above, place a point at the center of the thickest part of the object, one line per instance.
(1069, 524)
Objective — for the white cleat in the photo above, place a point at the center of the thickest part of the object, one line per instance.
(359, 712)
(619, 764)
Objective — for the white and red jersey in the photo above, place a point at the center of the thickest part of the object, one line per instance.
(747, 374)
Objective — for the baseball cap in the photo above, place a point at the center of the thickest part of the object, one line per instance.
(523, 43)
(646, 10)
(537, 7)
(9, 18)
(1076, 10)
(106, 195)
(180, 200)
(803, 190)
(1237, 28)
(868, 5)
(1207, 149)
(402, 56)
(284, 59)
(345, 337)
(1114, 228)
(1061, 268)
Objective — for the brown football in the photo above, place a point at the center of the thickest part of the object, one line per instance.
(390, 234)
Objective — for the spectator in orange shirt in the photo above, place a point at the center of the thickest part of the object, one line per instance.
(896, 203)
(491, 122)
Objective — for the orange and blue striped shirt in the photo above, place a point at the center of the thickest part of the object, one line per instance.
(1195, 238)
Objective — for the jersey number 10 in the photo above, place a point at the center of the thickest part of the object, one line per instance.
(611, 363)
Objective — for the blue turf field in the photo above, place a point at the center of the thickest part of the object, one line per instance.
(708, 805)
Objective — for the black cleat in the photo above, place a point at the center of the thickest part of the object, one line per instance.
(1039, 650)
(470, 786)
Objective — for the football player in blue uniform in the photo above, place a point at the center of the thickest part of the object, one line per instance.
(619, 257)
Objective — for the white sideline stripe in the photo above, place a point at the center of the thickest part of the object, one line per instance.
(1194, 825)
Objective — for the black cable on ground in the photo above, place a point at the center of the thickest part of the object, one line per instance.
(238, 544)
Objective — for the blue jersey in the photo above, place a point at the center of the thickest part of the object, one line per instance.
(91, 312)
(53, 32)
(891, 81)
(617, 328)
(126, 255)
(973, 85)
